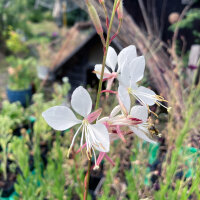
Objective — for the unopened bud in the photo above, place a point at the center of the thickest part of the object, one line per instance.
(95, 19)
(120, 10)
(101, 1)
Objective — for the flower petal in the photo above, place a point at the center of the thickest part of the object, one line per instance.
(136, 67)
(98, 68)
(124, 97)
(140, 133)
(81, 101)
(146, 95)
(111, 59)
(115, 111)
(60, 118)
(126, 56)
(101, 135)
(139, 112)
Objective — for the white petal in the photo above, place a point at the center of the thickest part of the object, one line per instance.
(111, 59)
(81, 101)
(101, 134)
(115, 111)
(126, 56)
(136, 68)
(146, 95)
(124, 79)
(124, 97)
(60, 118)
(140, 133)
(139, 112)
(98, 68)
(104, 119)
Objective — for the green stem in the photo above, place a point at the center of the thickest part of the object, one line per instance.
(5, 161)
(100, 85)
(105, 55)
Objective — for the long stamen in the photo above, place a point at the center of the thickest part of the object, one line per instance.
(73, 140)
(95, 159)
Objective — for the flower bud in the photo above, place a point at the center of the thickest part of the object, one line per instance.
(120, 10)
(95, 19)
(101, 1)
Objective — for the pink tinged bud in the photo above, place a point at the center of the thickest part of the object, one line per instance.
(95, 19)
(120, 10)
(94, 115)
(101, 1)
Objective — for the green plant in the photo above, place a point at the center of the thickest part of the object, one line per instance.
(5, 137)
(14, 111)
(14, 42)
(21, 73)
(188, 22)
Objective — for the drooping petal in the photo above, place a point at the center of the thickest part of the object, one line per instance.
(139, 112)
(98, 68)
(99, 137)
(60, 118)
(136, 68)
(126, 56)
(81, 101)
(124, 97)
(111, 60)
(146, 95)
(115, 111)
(140, 133)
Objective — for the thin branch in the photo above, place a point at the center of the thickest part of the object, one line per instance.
(144, 14)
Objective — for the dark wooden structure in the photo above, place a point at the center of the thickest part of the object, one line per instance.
(79, 63)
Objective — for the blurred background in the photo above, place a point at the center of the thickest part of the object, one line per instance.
(50, 47)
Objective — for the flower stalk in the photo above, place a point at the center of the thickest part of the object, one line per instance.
(100, 87)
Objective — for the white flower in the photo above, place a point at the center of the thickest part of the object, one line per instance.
(141, 130)
(136, 121)
(130, 75)
(124, 57)
(62, 118)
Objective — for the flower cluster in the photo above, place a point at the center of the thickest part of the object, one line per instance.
(96, 132)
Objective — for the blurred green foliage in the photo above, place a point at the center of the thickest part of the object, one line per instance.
(21, 72)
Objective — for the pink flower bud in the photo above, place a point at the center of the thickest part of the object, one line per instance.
(120, 10)
(95, 19)
(101, 1)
